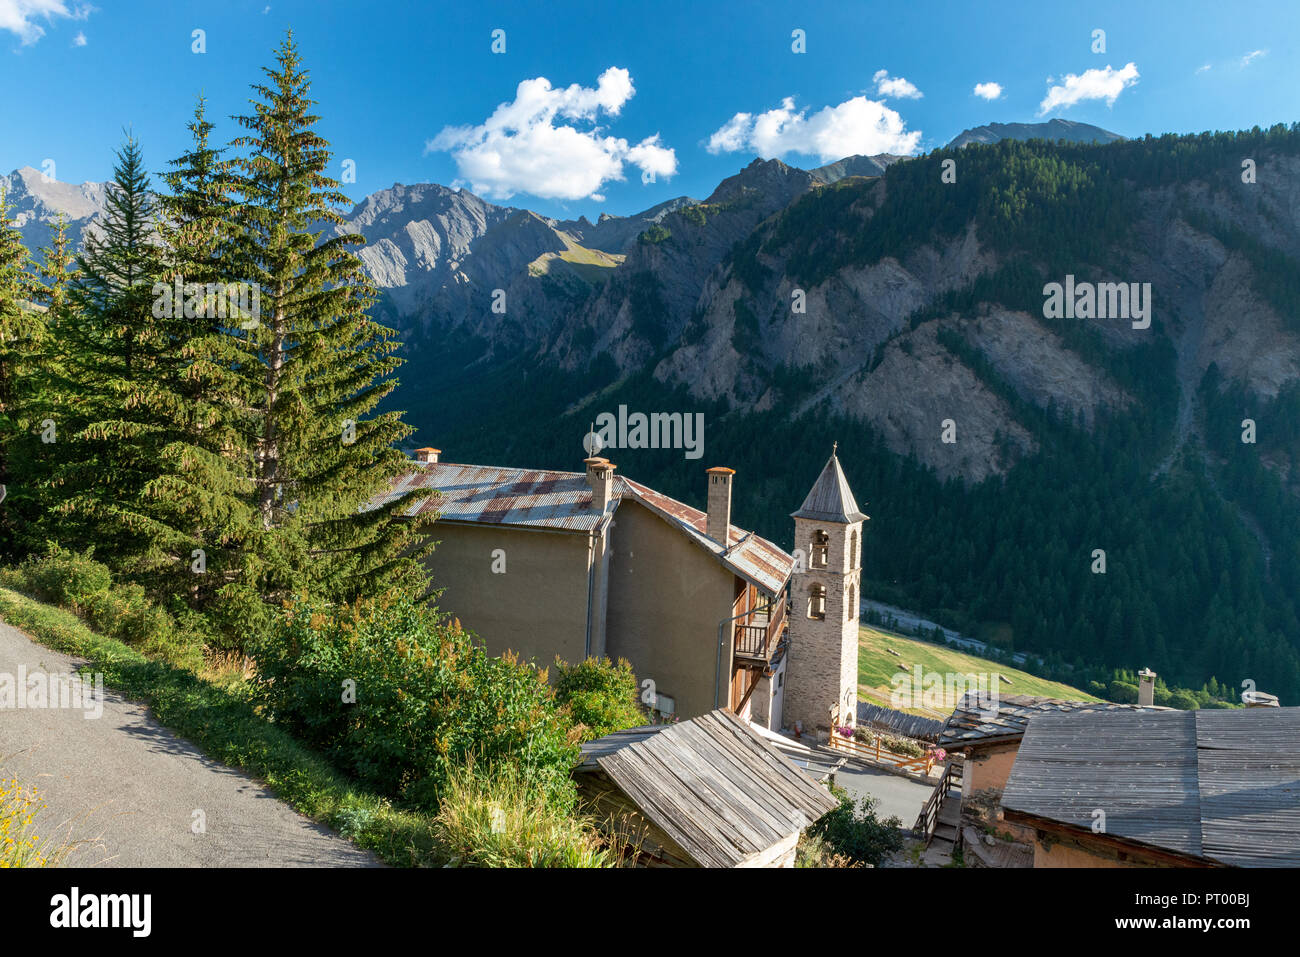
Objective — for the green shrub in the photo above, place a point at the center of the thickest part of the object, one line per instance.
(1183, 700)
(62, 577)
(227, 728)
(903, 746)
(427, 700)
(1121, 692)
(495, 818)
(601, 696)
(125, 612)
(855, 832)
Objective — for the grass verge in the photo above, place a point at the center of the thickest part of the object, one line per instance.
(221, 722)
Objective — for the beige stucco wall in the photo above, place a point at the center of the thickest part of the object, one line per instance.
(1051, 853)
(988, 769)
(666, 598)
(537, 608)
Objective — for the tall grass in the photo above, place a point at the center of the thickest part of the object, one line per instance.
(496, 819)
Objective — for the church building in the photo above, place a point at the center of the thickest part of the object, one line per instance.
(594, 564)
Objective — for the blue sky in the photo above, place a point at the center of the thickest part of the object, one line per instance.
(410, 91)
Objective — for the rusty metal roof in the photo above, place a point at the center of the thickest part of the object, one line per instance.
(500, 496)
(748, 555)
(973, 722)
(489, 494)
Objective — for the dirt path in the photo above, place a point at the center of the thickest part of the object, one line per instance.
(125, 791)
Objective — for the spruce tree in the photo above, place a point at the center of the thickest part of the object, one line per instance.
(201, 497)
(21, 326)
(109, 353)
(322, 453)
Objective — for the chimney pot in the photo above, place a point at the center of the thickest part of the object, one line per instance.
(428, 455)
(718, 524)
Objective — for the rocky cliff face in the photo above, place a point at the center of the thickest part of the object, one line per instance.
(707, 295)
(37, 201)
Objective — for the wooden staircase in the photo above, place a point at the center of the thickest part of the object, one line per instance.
(940, 819)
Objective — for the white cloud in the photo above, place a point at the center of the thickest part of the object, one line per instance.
(20, 17)
(1252, 55)
(855, 126)
(895, 86)
(521, 149)
(1093, 84)
(988, 91)
(1202, 69)
(79, 40)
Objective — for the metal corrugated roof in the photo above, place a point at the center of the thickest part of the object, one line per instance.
(562, 500)
(500, 496)
(831, 499)
(748, 555)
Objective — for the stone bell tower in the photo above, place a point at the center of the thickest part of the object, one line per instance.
(823, 657)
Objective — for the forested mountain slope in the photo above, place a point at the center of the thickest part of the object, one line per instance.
(924, 307)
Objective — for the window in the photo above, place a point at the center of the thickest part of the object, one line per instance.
(817, 602)
(821, 544)
(853, 550)
(852, 603)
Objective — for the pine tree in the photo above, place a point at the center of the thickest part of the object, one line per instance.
(324, 365)
(105, 377)
(21, 329)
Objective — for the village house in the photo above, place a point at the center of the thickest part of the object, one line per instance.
(989, 734)
(1209, 788)
(594, 564)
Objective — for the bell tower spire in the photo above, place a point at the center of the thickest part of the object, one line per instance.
(823, 665)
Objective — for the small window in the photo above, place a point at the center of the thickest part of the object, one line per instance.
(821, 545)
(853, 550)
(852, 603)
(817, 602)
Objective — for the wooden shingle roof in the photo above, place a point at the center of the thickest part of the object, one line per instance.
(975, 720)
(1221, 785)
(712, 784)
(830, 499)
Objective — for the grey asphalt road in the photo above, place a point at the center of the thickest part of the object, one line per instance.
(124, 791)
(895, 795)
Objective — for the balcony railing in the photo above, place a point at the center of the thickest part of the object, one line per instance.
(757, 638)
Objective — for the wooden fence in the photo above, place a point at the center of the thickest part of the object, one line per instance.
(874, 753)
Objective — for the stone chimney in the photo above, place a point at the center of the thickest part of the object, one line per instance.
(1146, 686)
(600, 476)
(427, 455)
(719, 509)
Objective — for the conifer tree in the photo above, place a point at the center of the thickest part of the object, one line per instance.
(201, 497)
(324, 366)
(20, 335)
(105, 377)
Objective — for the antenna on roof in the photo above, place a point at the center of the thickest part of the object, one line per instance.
(592, 442)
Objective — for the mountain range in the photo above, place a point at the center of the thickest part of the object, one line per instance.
(897, 305)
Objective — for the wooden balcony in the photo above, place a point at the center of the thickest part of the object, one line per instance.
(758, 635)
